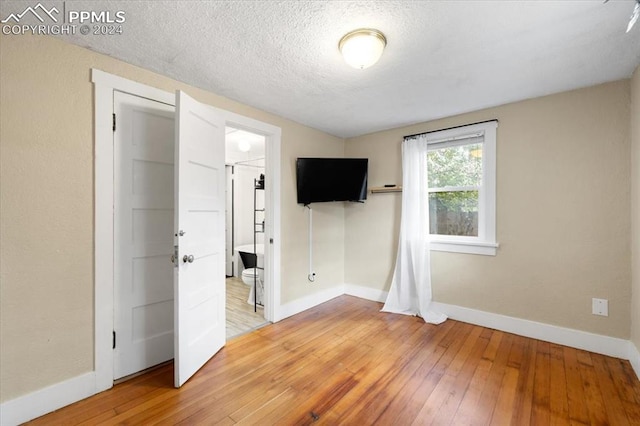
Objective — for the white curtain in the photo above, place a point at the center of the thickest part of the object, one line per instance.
(410, 292)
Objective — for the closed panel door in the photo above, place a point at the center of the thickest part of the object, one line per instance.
(200, 215)
(144, 218)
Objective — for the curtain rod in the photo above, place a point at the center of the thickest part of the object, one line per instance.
(449, 128)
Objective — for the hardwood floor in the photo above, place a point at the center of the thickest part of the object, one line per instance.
(344, 362)
(241, 317)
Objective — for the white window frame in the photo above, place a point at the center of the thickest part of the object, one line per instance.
(485, 243)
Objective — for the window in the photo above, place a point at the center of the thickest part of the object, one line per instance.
(461, 170)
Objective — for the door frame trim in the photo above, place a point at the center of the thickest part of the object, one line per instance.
(272, 136)
(104, 84)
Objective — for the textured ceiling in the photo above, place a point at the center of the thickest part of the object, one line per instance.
(442, 58)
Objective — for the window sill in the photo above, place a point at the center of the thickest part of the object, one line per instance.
(486, 249)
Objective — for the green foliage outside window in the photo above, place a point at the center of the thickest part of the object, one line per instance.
(454, 212)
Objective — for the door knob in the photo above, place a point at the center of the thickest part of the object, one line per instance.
(189, 258)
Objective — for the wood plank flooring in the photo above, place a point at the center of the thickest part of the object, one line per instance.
(344, 362)
(241, 317)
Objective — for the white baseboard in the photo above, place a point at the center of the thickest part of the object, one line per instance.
(46, 400)
(634, 358)
(367, 293)
(49, 399)
(307, 302)
(592, 342)
(597, 343)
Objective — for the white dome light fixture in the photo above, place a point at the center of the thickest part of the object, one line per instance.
(363, 47)
(244, 146)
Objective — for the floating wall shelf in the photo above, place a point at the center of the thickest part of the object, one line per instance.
(383, 189)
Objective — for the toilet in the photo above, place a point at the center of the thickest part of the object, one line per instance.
(249, 276)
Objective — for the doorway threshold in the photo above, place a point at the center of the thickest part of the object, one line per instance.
(141, 372)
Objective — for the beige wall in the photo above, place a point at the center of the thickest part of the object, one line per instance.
(563, 210)
(562, 213)
(46, 207)
(635, 207)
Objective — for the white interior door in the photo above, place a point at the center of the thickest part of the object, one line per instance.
(143, 233)
(199, 287)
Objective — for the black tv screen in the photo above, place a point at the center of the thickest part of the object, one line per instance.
(331, 179)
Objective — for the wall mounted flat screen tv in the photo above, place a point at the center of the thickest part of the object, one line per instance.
(331, 179)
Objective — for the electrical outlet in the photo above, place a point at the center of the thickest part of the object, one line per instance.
(600, 307)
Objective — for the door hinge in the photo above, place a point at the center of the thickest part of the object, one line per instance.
(114, 339)
(114, 122)
(174, 257)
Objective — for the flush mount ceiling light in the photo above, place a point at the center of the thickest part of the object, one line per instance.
(244, 146)
(362, 48)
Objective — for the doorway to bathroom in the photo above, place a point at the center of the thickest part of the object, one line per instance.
(246, 173)
(155, 113)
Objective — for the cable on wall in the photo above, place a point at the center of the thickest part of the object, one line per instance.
(312, 275)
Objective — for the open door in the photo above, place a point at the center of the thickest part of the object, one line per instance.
(199, 273)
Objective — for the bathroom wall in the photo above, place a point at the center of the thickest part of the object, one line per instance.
(244, 176)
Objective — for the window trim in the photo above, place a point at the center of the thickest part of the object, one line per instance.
(485, 243)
